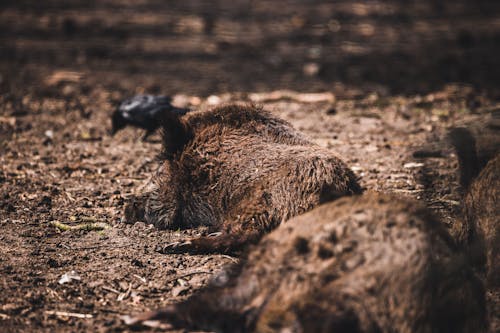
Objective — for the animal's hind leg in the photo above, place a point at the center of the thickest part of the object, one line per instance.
(247, 228)
(227, 243)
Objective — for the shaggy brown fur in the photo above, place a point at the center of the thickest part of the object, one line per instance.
(479, 160)
(371, 263)
(482, 214)
(240, 171)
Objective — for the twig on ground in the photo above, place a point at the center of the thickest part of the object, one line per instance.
(69, 314)
(180, 276)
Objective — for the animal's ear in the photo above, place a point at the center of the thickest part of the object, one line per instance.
(176, 134)
(465, 145)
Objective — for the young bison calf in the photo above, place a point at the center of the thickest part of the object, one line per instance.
(371, 263)
(241, 172)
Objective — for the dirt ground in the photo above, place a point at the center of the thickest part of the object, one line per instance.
(393, 76)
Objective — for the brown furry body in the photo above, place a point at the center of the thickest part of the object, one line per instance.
(371, 263)
(478, 150)
(482, 214)
(240, 171)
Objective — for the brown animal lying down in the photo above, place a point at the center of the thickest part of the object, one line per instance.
(479, 160)
(371, 263)
(240, 171)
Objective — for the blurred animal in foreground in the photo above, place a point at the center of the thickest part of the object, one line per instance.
(478, 150)
(370, 263)
(240, 171)
(143, 111)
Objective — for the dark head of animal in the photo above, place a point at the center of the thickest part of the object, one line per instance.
(143, 111)
(117, 122)
(241, 171)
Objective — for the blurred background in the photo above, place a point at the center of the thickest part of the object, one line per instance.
(391, 76)
(204, 47)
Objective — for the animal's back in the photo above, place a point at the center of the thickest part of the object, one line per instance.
(251, 171)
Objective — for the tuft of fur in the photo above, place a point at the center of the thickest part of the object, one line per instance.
(370, 263)
(241, 171)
